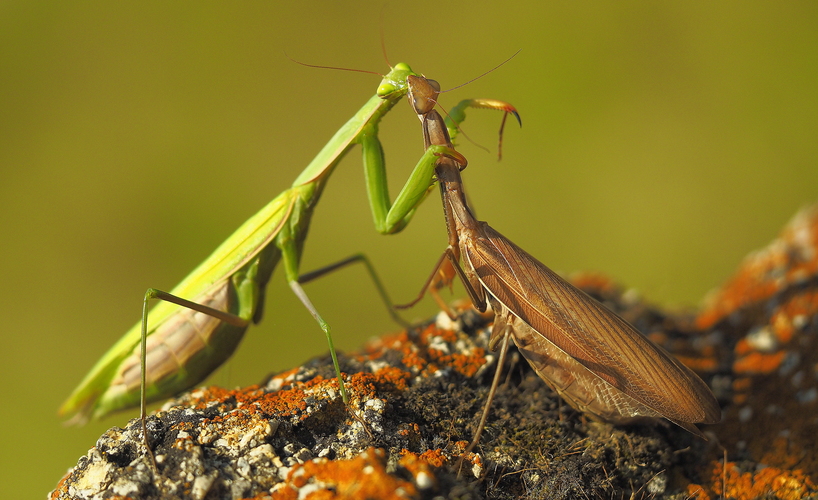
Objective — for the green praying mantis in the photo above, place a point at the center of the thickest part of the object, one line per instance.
(174, 348)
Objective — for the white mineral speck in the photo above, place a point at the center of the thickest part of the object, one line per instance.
(248, 439)
(125, 488)
(477, 470)
(201, 485)
(243, 467)
(438, 344)
(275, 384)
(95, 475)
(444, 322)
(799, 321)
(657, 485)
(763, 340)
(375, 404)
(424, 480)
(261, 451)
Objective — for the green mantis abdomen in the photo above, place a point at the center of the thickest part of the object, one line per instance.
(181, 352)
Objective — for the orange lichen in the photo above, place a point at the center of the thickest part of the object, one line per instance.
(783, 484)
(759, 363)
(392, 379)
(432, 332)
(410, 429)
(741, 384)
(423, 463)
(460, 446)
(466, 365)
(414, 360)
(435, 458)
(788, 260)
(361, 477)
(363, 385)
(397, 341)
(283, 403)
(61, 491)
(782, 326)
(743, 347)
(697, 492)
(803, 305)
(420, 357)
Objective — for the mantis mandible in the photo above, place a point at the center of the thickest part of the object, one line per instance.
(173, 348)
(595, 360)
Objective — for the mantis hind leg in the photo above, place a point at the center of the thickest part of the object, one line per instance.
(506, 335)
(295, 285)
(302, 296)
(153, 293)
(358, 258)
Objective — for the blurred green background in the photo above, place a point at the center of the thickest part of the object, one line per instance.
(662, 142)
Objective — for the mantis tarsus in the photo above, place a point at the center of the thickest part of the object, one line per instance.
(595, 360)
(173, 348)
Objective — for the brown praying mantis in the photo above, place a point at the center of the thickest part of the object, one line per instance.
(595, 360)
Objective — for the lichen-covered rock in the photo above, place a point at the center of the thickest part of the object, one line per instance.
(416, 397)
(766, 318)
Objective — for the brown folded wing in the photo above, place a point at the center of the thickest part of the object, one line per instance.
(589, 334)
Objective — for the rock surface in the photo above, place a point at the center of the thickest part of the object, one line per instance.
(416, 397)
